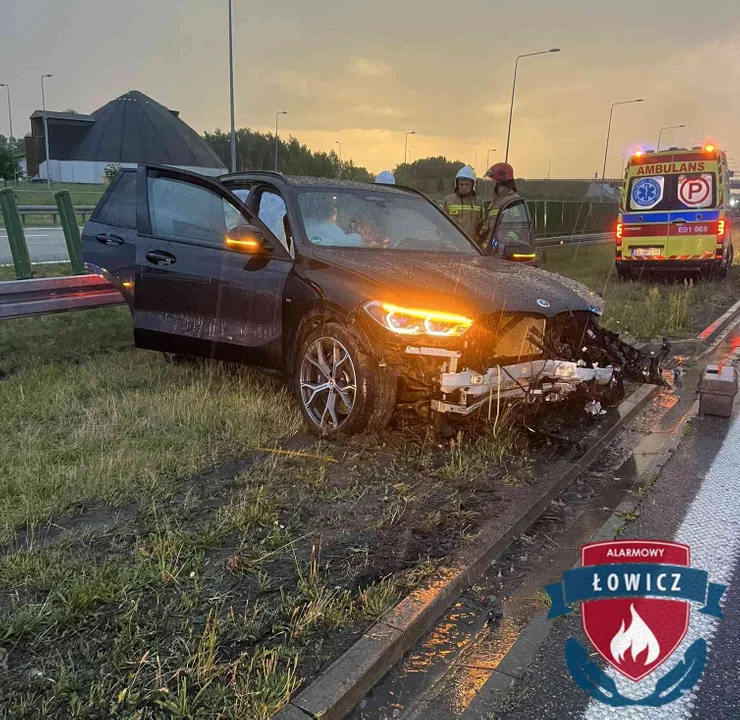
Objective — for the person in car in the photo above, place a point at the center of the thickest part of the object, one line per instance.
(464, 206)
(322, 228)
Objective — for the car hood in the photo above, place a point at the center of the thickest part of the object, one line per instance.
(472, 284)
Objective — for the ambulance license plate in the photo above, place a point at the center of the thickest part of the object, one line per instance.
(646, 252)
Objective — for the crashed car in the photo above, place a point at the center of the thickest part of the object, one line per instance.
(365, 296)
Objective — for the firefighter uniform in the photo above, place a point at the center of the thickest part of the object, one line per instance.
(466, 210)
(515, 215)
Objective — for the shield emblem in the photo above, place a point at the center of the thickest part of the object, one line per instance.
(635, 635)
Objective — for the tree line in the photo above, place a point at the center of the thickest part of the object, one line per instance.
(256, 151)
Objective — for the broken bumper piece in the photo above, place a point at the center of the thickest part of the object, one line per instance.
(538, 380)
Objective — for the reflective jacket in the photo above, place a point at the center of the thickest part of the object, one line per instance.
(467, 212)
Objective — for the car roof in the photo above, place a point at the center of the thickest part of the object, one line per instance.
(304, 181)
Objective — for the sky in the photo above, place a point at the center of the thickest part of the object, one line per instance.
(365, 74)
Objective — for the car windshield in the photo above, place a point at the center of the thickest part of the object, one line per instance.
(378, 219)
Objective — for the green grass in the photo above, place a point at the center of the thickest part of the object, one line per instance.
(37, 194)
(650, 308)
(86, 417)
(7, 272)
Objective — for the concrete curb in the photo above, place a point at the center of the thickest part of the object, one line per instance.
(345, 682)
(514, 664)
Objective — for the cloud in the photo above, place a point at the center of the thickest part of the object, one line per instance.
(366, 67)
(374, 110)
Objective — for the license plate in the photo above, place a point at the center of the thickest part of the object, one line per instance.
(646, 252)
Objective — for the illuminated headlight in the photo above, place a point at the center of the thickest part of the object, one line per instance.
(412, 321)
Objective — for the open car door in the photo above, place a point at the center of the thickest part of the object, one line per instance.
(209, 275)
(513, 233)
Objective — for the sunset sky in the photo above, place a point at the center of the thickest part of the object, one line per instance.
(366, 73)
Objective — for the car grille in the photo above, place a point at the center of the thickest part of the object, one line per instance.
(504, 339)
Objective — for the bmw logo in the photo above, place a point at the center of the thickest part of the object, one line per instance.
(543, 303)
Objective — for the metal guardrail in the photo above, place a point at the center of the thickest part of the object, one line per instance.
(25, 298)
(549, 243)
(53, 210)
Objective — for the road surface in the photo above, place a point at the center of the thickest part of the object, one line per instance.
(44, 245)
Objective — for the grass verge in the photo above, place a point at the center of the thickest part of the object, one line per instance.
(155, 562)
(649, 308)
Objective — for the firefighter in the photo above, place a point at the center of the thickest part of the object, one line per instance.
(504, 190)
(464, 206)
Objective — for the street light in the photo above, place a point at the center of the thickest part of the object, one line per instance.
(277, 115)
(475, 159)
(669, 127)
(608, 133)
(231, 92)
(46, 132)
(488, 155)
(513, 90)
(336, 142)
(10, 113)
(406, 154)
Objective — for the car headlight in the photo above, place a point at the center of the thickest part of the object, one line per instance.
(412, 321)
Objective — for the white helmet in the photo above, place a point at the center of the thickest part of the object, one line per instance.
(385, 178)
(466, 173)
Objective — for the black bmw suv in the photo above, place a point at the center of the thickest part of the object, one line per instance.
(364, 296)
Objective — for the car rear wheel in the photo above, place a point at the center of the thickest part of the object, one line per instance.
(340, 388)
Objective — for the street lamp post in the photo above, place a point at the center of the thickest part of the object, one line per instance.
(46, 131)
(513, 90)
(231, 91)
(608, 133)
(10, 112)
(660, 136)
(277, 115)
(488, 156)
(336, 142)
(475, 159)
(406, 154)
(10, 121)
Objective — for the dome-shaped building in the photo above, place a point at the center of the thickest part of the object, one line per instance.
(131, 129)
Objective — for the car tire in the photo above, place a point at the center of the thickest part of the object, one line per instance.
(340, 388)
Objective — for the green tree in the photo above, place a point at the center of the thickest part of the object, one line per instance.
(256, 151)
(9, 167)
(430, 175)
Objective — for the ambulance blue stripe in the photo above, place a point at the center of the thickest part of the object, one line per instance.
(664, 217)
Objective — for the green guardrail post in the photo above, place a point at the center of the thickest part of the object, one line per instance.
(16, 238)
(71, 230)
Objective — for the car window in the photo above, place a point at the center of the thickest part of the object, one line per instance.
(242, 193)
(185, 211)
(120, 207)
(378, 219)
(672, 192)
(272, 212)
(514, 225)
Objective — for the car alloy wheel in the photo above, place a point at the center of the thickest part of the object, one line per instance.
(328, 383)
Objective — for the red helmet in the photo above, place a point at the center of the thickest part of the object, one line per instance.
(500, 172)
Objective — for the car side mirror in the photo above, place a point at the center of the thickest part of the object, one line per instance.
(247, 239)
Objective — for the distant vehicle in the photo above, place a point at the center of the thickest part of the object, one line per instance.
(364, 296)
(675, 213)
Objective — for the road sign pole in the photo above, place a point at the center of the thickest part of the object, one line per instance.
(16, 238)
(71, 230)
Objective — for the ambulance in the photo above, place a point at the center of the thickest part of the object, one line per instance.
(675, 213)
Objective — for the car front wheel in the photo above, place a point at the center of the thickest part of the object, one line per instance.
(340, 388)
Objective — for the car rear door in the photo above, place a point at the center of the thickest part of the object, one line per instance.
(109, 238)
(193, 294)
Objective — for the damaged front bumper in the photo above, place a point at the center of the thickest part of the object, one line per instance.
(464, 392)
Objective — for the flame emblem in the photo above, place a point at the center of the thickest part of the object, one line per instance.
(637, 637)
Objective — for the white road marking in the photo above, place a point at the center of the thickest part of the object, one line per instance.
(711, 528)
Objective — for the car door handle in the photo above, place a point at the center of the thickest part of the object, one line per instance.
(679, 221)
(108, 239)
(160, 257)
